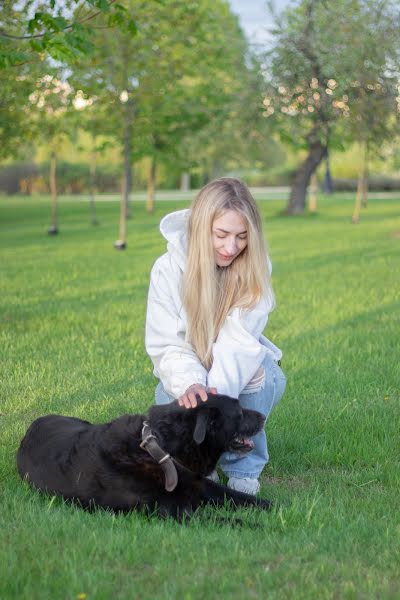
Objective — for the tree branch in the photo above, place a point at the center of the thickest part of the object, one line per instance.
(40, 35)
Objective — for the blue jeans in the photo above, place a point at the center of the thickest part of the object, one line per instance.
(262, 399)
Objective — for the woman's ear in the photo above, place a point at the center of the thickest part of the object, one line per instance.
(201, 426)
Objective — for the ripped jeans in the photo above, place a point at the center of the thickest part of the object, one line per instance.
(263, 399)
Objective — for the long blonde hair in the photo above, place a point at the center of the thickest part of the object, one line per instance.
(209, 292)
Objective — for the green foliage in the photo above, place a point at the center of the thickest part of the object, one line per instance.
(71, 342)
(152, 94)
(26, 40)
(52, 32)
(71, 178)
(333, 72)
(157, 91)
(16, 126)
(238, 137)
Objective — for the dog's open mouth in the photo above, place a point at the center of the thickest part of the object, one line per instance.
(241, 444)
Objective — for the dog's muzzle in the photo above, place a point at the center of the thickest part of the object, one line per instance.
(150, 445)
(241, 445)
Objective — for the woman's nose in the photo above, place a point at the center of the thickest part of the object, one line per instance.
(230, 246)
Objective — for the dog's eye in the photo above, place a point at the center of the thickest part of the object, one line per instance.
(214, 423)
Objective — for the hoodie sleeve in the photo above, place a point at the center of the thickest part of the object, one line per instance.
(175, 362)
(238, 351)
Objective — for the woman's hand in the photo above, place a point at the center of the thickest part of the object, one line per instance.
(189, 400)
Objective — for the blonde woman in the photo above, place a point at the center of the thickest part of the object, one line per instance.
(208, 304)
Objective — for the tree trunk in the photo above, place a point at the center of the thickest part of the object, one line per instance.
(357, 207)
(93, 166)
(122, 217)
(120, 244)
(151, 185)
(185, 181)
(127, 162)
(217, 168)
(364, 191)
(328, 183)
(312, 193)
(53, 229)
(364, 196)
(297, 199)
(362, 187)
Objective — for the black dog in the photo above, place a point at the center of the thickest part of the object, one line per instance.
(155, 463)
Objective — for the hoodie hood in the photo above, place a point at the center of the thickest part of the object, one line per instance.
(173, 227)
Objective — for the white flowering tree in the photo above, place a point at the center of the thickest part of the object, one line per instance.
(321, 52)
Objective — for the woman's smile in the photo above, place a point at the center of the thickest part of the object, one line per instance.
(225, 257)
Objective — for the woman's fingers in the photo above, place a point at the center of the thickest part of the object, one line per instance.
(189, 398)
(202, 393)
(192, 400)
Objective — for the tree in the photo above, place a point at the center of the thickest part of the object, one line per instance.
(61, 30)
(109, 76)
(171, 78)
(15, 123)
(238, 136)
(311, 71)
(15, 87)
(200, 108)
(87, 117)
(30, 32)
(374, 111)
(51, 99)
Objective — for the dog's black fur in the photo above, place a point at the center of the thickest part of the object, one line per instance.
(103, 465)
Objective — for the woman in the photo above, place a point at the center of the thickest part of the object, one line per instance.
(208, 304)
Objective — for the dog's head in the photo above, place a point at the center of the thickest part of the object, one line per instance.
(200, 435)
(223, 421)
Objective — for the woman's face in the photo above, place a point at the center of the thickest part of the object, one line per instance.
(229, 237)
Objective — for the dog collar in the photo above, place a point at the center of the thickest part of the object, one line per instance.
(150, 445)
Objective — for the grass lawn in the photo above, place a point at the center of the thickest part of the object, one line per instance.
(72, 315)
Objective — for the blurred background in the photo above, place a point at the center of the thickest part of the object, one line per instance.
(104, 98)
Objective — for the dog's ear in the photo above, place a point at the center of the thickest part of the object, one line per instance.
(201, 426)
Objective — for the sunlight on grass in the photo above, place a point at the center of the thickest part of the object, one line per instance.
(72, 325)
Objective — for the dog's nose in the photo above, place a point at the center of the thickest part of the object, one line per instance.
(252, 422)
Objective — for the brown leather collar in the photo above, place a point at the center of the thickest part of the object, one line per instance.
(149, 444)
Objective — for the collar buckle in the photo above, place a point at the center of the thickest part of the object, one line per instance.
(146, 440)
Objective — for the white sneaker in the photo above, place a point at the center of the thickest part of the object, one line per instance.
(244, 484)
(213, 476)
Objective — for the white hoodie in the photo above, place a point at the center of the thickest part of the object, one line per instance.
(239, 349)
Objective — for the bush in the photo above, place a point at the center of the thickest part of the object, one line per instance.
(72, 178)
(376, 183)
(18, 177)
(277, 176)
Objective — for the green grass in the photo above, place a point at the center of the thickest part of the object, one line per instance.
(72, 315)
